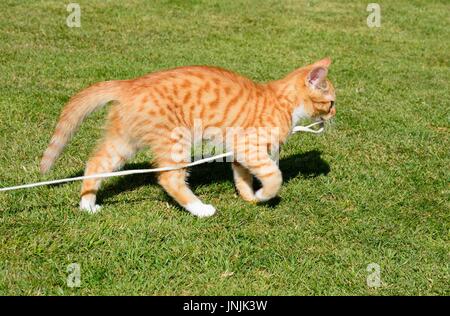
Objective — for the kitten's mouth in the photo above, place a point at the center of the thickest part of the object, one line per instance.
(327, 116)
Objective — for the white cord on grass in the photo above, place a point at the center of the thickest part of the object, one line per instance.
(296, 129)
(308, 128)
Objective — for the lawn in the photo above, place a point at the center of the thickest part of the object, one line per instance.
(374, 188)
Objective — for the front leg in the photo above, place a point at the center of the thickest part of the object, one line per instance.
(244, 182)
(267, 171)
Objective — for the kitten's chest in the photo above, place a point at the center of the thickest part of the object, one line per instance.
(297, 114)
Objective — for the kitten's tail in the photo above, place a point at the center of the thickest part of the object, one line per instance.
(79, 107)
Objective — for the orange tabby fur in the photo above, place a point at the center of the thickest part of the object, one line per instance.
(149, 108)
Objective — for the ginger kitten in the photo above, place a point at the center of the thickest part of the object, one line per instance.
(148, 109)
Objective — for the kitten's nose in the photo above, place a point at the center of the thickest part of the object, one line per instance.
(333, 111)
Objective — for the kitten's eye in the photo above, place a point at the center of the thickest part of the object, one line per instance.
(332, 104)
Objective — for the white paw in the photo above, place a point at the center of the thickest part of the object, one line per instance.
(260, 196)
(201, 210)
(86, 206)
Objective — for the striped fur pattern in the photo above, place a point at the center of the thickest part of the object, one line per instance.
(147, 110)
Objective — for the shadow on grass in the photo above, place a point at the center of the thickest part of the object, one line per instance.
(309, 164)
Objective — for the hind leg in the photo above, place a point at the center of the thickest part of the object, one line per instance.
(111, 155)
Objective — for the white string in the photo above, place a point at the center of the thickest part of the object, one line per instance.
(296, 129)
(308, 128)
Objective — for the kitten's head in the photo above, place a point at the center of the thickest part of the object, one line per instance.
(319, 94)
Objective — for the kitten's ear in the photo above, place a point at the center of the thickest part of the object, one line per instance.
(316, 76)
(326, 62)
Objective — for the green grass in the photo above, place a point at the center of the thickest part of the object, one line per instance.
(373, 188)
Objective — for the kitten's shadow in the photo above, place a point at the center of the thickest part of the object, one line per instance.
(309, 164)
